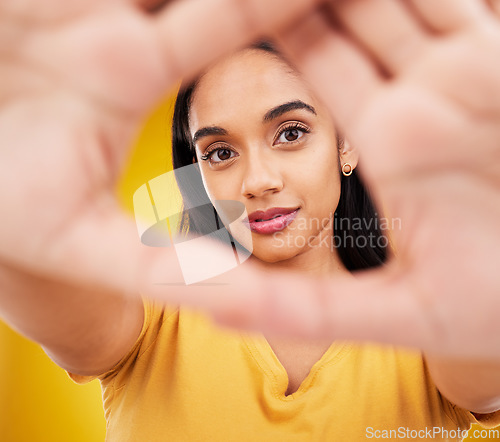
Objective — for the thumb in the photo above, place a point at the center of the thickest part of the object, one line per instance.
(374, 305)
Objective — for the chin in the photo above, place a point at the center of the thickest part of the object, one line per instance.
(271, 255)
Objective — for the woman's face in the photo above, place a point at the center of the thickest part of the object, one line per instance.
(263, 139)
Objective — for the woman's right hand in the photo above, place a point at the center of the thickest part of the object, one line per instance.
(77, 80)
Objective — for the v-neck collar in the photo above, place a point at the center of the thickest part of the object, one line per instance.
(268, 362)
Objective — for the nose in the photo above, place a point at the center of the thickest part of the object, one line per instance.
(261, 176)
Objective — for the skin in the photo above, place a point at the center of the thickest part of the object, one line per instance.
(411, 65)
(263, 169)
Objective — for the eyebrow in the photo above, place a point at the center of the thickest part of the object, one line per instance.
(270, 115)
(207, 131)
(278, 111)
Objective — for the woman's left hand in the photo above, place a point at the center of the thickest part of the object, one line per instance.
(415, 85)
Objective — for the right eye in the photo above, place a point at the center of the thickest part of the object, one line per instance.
(219, 155)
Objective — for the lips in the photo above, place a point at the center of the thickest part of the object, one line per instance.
(272, 220)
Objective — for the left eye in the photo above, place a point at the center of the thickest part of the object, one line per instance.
(290, 135)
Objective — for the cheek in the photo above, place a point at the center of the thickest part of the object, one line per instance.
(216, 186)
(325, 191)
(319, 176)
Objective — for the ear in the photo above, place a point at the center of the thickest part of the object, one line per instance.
(348, 154)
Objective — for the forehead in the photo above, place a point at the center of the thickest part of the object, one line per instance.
(245, 85)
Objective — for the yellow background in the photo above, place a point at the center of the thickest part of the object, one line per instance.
(38, 401)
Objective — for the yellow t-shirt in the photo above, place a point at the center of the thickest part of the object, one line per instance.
(186, 379)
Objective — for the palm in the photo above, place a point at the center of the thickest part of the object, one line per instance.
(62, 132)
(448, 242)
(67, 131)
(432, 154)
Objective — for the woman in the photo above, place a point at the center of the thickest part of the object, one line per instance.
(349, 203)
(261, 138)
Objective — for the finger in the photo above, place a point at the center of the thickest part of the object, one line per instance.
(495, 6)
(129, 65)
(343, 76)
(374, 306)
(195, 32)
(448, 15)
(385, 28)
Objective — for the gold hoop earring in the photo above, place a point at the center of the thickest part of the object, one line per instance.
(350, 169)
